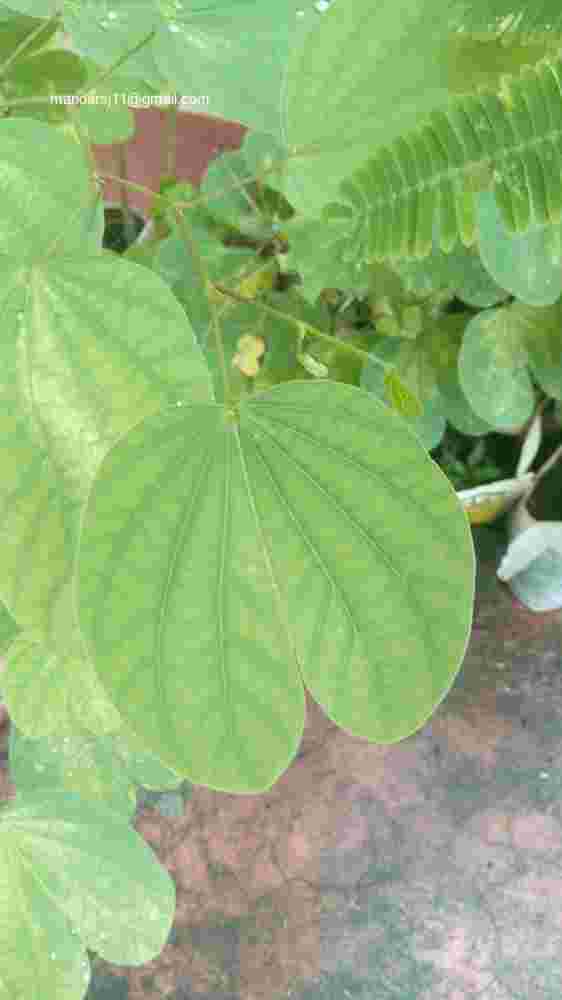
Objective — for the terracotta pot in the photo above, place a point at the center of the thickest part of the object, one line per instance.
(199, 139)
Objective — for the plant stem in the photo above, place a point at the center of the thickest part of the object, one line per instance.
(128, 222)
(185, 230)
(302, 327)
(555, 457)
(171, 121)
(181, 204)
(23, 45)
(118, 62)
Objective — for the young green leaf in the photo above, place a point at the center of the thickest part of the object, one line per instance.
(400, 397)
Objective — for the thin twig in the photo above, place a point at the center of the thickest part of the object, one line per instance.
(556, 455)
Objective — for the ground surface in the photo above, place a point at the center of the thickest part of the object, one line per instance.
(428, 869)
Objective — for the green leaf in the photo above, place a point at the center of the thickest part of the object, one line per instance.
(326, 254)
(223, 186)
(413, 365)
(105, 341)
(540, 331)
(461, 271)
(458, 410)
(52, 72)
(267, 159)
(477, 287)
(528, 265)
(99, 767)
(136, 82)
(105, 39)
(400, 397)
(8, 629)
(77, 877)
(82, 763)
(225, 265)
(100, 341)
(444, 356)
(480, 61)
(50, 686)
(361, 79)
(224, 561)
(238, 187)
(94, 225)
(42, 197)
(143, 768)
(33, 507)
(429, 426)
(14, 28)
(235, 53)
(105, 116)
(493, 370)
(280, 362)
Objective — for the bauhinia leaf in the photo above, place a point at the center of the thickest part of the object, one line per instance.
(229, 558)
(77, 876)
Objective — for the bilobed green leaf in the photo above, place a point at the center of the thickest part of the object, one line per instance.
(77, 876)
(224, 561)
(493, 369)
